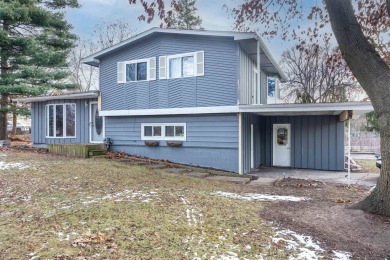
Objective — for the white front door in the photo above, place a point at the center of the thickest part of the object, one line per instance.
(96, 124)
(282, 145)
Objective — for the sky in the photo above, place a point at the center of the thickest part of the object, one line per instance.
(211, 11)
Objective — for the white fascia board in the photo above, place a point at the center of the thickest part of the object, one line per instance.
(91, 60)
(171, 111)
(66, 96)
(283, 76)
(355, 106)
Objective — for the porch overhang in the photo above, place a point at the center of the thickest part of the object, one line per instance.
(358, 108)
(79, 95)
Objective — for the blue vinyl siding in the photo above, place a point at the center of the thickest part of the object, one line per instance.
(212, 140)
(317, 142)
(38, 123)
(218, 87)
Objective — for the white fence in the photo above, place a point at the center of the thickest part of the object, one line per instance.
(365, 142)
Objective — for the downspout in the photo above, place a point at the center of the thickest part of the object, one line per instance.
(258, 71)
(240, 165)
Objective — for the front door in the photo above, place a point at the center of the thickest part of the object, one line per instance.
(96, 124)
(282, 145)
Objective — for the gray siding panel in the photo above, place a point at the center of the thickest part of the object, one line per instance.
(218, 87)
(212, 140)
(38, 128)
(317, 142)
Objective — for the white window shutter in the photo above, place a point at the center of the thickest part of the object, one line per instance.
(162, 67)
(152, 68)
(121, 72)
(200, 63)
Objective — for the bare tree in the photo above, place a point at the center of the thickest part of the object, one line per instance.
(105, 34)
(316, 76)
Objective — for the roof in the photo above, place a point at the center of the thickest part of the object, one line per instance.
(78, 95)
(246, 38)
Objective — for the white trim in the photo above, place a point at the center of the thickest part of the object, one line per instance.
(252, 148)
(163, 136)
(90, 124)
(63, 121)
(93, 59)
(172, 111)
(85, 95)
(147, 60)
(181, 55)
(240, 165)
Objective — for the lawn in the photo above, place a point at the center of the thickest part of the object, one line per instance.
(53, 207)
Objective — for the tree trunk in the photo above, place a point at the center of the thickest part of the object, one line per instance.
(14, 124)
(373, 75)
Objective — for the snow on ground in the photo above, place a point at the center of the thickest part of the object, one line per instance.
(7, 166)
(126, 195)
(258, 197)
(304, 246)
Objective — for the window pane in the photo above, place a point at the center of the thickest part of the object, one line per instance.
(188, 66)
(282, 136)
(70, 120)
(169, 131)
(271, 87)
(130, 72)
(59, 121)
(51, 121)
(156, 130)
(141, 71)
(147, 131)
(174, 68)
(179, 131)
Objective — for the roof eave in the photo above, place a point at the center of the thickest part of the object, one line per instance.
(81, 95)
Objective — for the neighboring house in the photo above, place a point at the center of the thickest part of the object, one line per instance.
(216, 92)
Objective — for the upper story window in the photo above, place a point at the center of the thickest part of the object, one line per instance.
(181, 65)
(272, 90)
(61, 121)
(136, 70)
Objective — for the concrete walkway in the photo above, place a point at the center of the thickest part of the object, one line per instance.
(269, 175)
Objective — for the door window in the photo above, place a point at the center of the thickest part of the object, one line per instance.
(282, 136)
(98, 122)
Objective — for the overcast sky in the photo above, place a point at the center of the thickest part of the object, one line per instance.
(212, 12)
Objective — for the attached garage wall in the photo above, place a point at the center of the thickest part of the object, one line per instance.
(317, 142)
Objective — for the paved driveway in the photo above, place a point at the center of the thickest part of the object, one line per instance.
(269, 174)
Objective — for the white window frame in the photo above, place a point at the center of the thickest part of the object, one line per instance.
(63, 120)
(135, 62)
(181, 55)
(163, 137)
(274, 99)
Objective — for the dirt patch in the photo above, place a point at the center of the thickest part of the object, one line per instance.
(327, 218)
(298, 183)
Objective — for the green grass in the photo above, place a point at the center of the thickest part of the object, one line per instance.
(67, 208)
(368, 166)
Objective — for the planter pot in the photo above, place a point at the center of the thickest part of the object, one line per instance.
(175, 144)
(152, 144)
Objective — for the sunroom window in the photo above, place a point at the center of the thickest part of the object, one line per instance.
(61, 120)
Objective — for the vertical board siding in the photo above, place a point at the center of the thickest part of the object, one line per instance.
(218, 87)
(212, 141)
(247, 121)
(247, 78)
(38, 120)
(317, 142)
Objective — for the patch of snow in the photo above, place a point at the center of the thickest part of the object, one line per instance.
(8, 166)
(127, 195)
(305, 246)
(341, 255)
(258, 197)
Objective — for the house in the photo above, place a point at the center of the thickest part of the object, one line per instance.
(213, 93)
